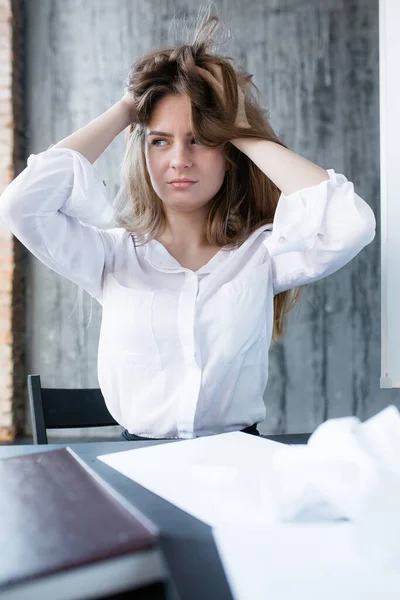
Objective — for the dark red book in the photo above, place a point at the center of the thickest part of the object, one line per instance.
(65, 533)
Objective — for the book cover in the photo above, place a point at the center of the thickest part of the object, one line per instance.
(65, 533)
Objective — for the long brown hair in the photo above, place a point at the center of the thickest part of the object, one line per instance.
(247, 198)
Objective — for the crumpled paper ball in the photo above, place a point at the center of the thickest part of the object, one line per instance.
(348, 470)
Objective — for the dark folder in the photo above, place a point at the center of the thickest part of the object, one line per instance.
(66, 534)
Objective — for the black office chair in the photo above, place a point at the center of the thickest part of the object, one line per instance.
(53, 408)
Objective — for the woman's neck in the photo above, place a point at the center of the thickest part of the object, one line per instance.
(184, 231)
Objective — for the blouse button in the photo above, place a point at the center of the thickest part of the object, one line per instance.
(282, 239)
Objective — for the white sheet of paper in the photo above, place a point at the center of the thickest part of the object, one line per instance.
(221, 478)
(301, 562)
(226, 481)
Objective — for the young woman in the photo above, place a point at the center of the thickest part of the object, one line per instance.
(217, 224)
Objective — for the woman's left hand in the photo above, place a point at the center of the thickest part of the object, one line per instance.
(215, 80)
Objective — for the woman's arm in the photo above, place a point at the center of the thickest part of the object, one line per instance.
(289, 171)
(59, 190)
(320, 223)
(92, 139)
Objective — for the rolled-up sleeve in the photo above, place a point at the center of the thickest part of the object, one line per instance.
(55, 208)
(316, 231)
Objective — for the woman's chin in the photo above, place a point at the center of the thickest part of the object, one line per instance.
(185, 204)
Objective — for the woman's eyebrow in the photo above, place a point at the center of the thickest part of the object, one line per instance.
(164, 134)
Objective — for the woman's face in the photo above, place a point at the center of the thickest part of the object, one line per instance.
(173, 154)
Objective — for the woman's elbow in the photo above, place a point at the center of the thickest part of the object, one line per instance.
(366, 229)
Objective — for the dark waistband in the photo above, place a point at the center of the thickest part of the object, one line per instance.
(129, 437)
(252, 429)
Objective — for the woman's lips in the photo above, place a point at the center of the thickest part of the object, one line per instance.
(182, 185)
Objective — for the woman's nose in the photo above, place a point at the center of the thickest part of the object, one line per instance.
(181, 157)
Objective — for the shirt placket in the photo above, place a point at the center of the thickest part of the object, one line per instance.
(190, 387)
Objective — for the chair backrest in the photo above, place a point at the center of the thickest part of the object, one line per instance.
(53, 408)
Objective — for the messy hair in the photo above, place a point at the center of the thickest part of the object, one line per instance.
(247, 198)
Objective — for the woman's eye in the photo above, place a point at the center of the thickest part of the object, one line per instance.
(160, 143)
(157, 142)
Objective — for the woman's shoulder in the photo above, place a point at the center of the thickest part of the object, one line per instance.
(124, 256)
(119, 243)
(261, 232)
(115, 238)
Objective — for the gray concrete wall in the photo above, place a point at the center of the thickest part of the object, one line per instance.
(316, 63)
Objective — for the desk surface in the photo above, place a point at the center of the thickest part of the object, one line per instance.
(285, 561)
(188, 544)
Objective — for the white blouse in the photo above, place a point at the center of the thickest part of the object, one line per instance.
(182, 353)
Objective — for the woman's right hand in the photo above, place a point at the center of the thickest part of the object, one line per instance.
(128, 101)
